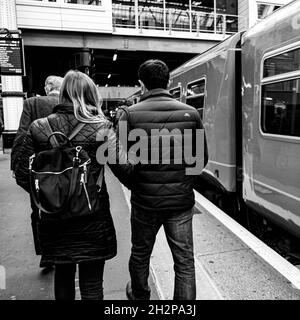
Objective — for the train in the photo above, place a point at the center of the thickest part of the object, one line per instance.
(247, 91)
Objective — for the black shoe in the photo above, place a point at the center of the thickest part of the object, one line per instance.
(129, 294)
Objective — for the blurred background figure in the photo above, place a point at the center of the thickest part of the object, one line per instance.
(35, 108)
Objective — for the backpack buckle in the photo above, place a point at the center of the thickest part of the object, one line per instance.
(78, 149)
(31, 161)
(76, 159)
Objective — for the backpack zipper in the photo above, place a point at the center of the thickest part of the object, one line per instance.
(37, 188)
(60, 172)
(83, 182)
(36, 183)
(87, 196)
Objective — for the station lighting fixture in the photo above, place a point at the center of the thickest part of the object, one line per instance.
(109, 76)
(115, 56)
(106, 85)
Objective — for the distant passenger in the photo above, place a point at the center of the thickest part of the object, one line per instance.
(163, 193)
(35, 108)
(280, 124)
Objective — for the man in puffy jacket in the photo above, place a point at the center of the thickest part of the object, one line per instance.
(35, 108)
(163, 192)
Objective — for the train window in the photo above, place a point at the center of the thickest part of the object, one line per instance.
(196, 88)
(195, 95)
(176, 93)
(264, 9)
(282, 63)
(196, 102)
(280, 113)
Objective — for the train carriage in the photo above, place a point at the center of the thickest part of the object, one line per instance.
(208, 83)
(271, 121)
(247, 89)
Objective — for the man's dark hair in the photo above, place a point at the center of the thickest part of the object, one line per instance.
(154, 74)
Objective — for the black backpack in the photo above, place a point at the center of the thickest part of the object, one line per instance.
(62, 185)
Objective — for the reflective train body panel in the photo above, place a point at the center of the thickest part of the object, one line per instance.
(209, 80)
(251, 114)
(271, 142)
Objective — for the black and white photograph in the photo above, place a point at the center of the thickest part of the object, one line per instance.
(150, 154)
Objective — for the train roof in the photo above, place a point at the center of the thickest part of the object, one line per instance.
(289, 13)
(278, 17)
(230, 42)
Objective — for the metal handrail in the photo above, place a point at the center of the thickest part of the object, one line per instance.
(173, 20)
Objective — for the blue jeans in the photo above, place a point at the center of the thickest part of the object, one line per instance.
(179, 234)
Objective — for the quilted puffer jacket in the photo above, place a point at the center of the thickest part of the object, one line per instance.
(89, 237)
(163, 187)
(33, 108)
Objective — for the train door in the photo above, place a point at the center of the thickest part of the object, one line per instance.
(272, 150)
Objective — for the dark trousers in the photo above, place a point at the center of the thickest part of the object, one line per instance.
(35, 224)
(35, 220)
(179, 234)
(90, 280)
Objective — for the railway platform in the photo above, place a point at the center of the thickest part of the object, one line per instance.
(230, 263)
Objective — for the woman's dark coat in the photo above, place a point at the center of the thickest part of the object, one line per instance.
(86, 238)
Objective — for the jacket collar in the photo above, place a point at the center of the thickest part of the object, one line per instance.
(54, 93)
(155, 93)
(63, 108)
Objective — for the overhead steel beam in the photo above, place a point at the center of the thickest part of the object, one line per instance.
(46, 38)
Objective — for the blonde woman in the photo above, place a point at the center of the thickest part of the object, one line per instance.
(90, 240)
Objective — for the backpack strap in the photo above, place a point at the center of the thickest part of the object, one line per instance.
(100, 179)
(48, 131)
(76, 130)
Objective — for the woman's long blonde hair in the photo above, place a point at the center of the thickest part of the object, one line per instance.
(79, 89)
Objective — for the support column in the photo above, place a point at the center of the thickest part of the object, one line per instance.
(215, 16)
(190, 14)
(12, 89)
(164, 12)
(136, 9)
(252, 15)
